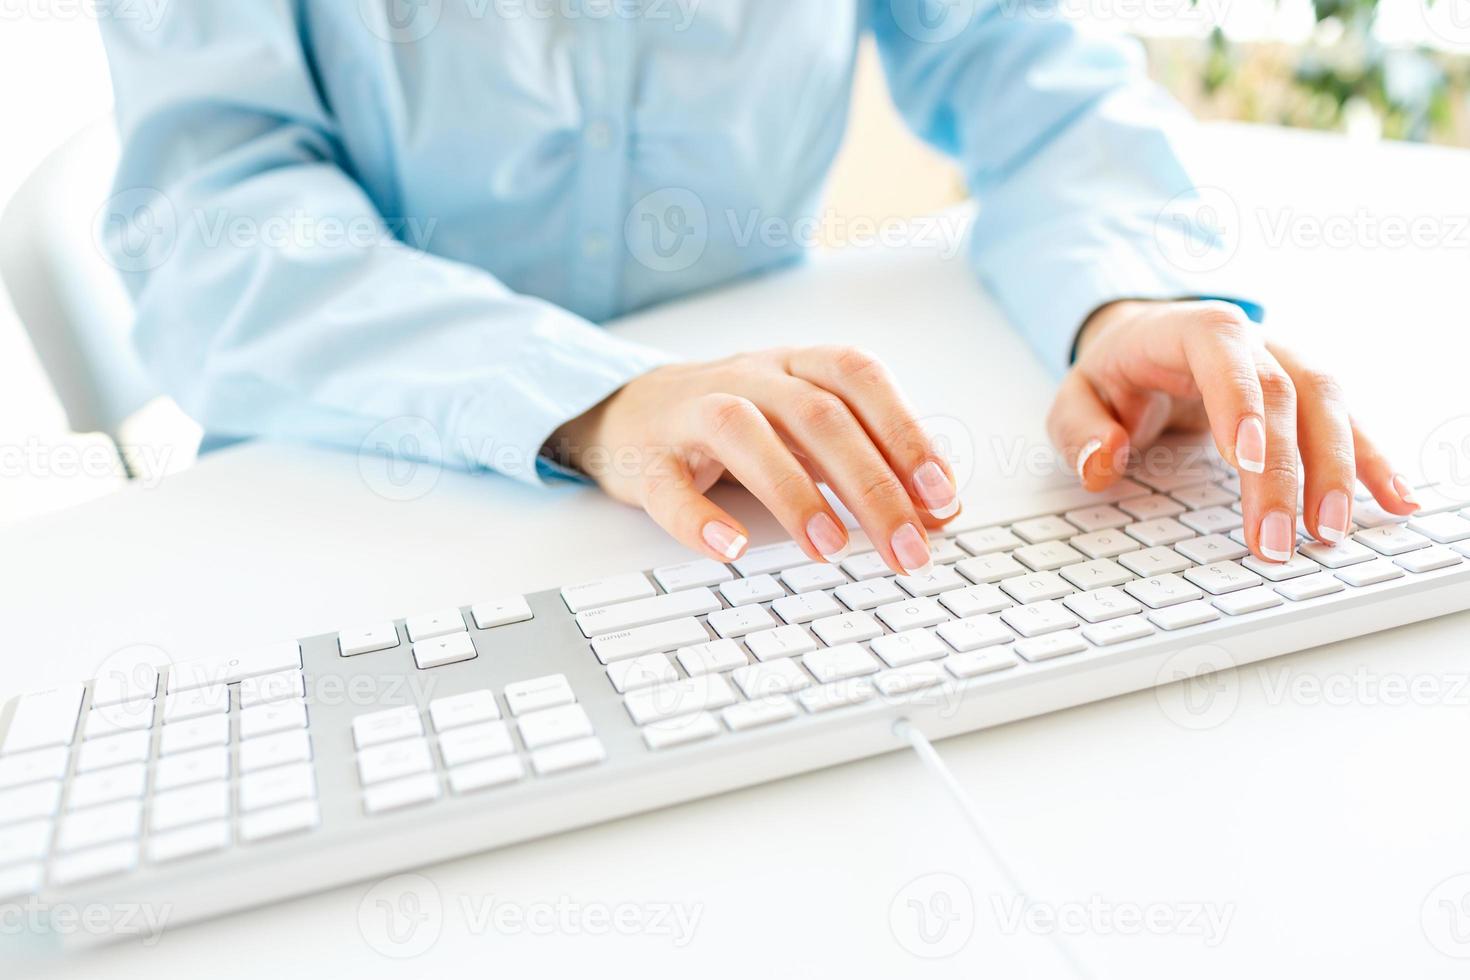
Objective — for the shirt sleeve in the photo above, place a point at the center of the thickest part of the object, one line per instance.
(1077, 160)
(273, 299)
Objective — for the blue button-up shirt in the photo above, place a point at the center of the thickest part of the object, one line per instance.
(347, 220)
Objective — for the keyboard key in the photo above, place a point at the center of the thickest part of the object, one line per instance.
(98, 862)
(1100, 573)
(1048, 556)
(859, 596)
(945, 551)
(1036, 587)
(1370, 573)
(1221, 577)
(1441, 528)
(483, 775)
(1340, 555)
(868, 564)
(656, 638)
(1273, 571)
(974, 632)
(605, 592)
(107, 786)
(538, 693)
(811, 577)
(44, 719)
(755, 714)
(95, 825)
(1117, 630)
(501, 612)
(181, 807)
(1247, 601)
(989, 568)
(492, 738)
(941, 578)
(1154, 561)
(1158, 533)
(469, 708)
(1102, 605)
(1211, 520)
(642, 612)
(561, 724)
(988, 540)
(709, 658)
(680, 731)
(33, 802)
(400, 793)
(30, 767)
(1184, 614)
(911, 614)
(138, 682)
(909, 646)
(265, 719)
(228, 669)
(568, 755)
(1391, 539)
(1039, 648)
(1038, 618)
(840, 662)
(21, 881)
(186, 768)
(1204, 495)
(770, 558)
(1211, 548)
(735, 623)
(1428, 559)
(130, 716)
(196, 703)
(630, 675)
(24, 841)
(682, 697)
(853, 627)
(1162, 590)
(280, 820)
(116, 750)
(452, 648)
(367, 639)
(272, 787)
(806, 607)
(281, 686)
(838, 694)
(1151, 507)
(780, 676)
(905, 680)
(274, 750)
(975, 600)
(784, 641)
(1039, 529)
(382, 763)
(1104, 544)
(1100, 518)
(387, 725)
(745, 591)
(701, 572)
(189, 842)
(979, 663)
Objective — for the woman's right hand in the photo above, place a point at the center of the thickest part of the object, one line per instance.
(777, 421)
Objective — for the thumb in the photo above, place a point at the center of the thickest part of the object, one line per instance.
(1083, 429)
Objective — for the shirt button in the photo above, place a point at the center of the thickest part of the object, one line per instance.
(599, 135)
(593, 245)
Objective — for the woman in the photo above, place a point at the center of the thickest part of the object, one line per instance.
(529, 168)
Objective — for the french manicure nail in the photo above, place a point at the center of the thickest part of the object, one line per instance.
(1332, 516)
(726, 541)
(936, 490)
(1250, 445)
(1088, 451)
(1277, 531)
(911, 551)
(1402, 488)
(827, 538)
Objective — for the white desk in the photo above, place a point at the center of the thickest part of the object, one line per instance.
(1318, 824)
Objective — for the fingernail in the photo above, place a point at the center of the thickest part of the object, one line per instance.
(827, 537)
(1277, 531)
(1332, 516)
(1088, 451)
(936, 490)
(1402, 488)
(1250, 445)
(911, 551)
(726, 541)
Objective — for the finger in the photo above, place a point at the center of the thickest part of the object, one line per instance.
(1325, 435)
(823, 429)
(869, 391)
(1084, 431)
(673, 500)
(1221, 348)
(734, 431)
(1269, 497)
(1391, 490)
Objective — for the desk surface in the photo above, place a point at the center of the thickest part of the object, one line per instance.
(1307, 827)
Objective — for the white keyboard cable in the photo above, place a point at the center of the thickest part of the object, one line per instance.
(932, 761)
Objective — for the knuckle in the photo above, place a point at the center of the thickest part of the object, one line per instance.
(822, 411)
(1282, 473)
(1322, 385)
(905, 436)
(860, 365)
(1224, 317)
(882, 491)
(722, 412)
(789, 486)
(1277, 385)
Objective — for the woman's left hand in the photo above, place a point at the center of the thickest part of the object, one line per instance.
(1145, 367)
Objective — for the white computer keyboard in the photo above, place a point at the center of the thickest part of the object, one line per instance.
(199, 784)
